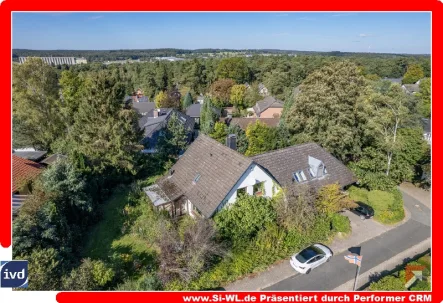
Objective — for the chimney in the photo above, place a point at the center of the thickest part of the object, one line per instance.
(231, 141)
(156, 112)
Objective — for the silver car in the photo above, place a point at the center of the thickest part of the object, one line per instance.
(310, 258)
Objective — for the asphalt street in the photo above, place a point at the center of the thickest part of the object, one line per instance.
(330, 275)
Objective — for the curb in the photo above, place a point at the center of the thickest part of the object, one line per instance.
(282, 276)
(386, 266)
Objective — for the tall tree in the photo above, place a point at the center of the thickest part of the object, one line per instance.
(425, 97)
(220, 132)
(221, 91)
(160, 99)
(238, 93)
(174, 138)
(36, 103)
(413, 74)
(261, 138)
(105, 134)
(208, 117)
(387, 114)
(187, 101)
(325, 109)
(233, 68)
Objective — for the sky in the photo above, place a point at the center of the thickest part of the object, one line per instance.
(347, 32)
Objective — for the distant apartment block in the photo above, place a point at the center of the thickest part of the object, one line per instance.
(57, 60)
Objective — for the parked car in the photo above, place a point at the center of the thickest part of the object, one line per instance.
(363, 210)
(310, 257)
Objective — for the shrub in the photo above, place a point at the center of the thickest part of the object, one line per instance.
(358, 194)
(145, 282)
(388, 283)
(90, 275)
(242, 220)
(340, 223)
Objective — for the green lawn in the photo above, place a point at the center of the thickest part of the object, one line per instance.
(113, 233)
(388, 206)
(109, 229)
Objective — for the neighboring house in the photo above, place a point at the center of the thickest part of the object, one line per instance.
(210, 175)
(52, 159)
(262, 90)
(200, 99)
(269, 107)
(412, 89)
(194, 111)
(426, 129)
(143, 108)
(155, 121)
(23, 174)
(244, 122)
(33, 155)
(136, 97)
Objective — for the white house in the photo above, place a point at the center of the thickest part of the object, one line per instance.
(210, 176)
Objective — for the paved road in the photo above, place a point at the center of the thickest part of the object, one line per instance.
(375, 251)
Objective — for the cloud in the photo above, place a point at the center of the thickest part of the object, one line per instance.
(365, 35)
(356, 41)
(306, 19)
(95, 17)
(282, 15)
(343, 15)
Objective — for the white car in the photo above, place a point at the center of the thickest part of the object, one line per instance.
(310, 257)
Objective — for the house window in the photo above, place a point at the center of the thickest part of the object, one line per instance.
(299, 176)
(258, 189)
(241, 191)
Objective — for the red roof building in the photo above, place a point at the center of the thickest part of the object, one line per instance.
(23, 171)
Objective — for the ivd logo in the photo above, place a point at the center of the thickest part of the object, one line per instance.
(13, 274)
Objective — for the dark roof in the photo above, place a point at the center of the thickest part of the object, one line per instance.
(393, 80)
(151, 125)
(282, 163)
(194, 110)
(219, 168)
(143, 107)
(244, 122)
(268, 102)
(412, 88)
(23, 171)
(51, 159)
(30, 155)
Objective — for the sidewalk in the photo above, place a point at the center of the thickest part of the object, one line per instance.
(417, 193)
(362, 230)
(386, 266)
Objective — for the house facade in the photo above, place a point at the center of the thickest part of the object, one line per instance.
(211, 176)
(269, 107)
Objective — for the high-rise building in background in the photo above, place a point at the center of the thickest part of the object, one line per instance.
(57, 60)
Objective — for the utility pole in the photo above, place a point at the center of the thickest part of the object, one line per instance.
(356, 276)
(358, 269)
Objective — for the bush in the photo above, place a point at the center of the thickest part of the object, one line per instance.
(144, 283)
(90, 275)
(340, 223)
(388, 283)
(242, 220)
